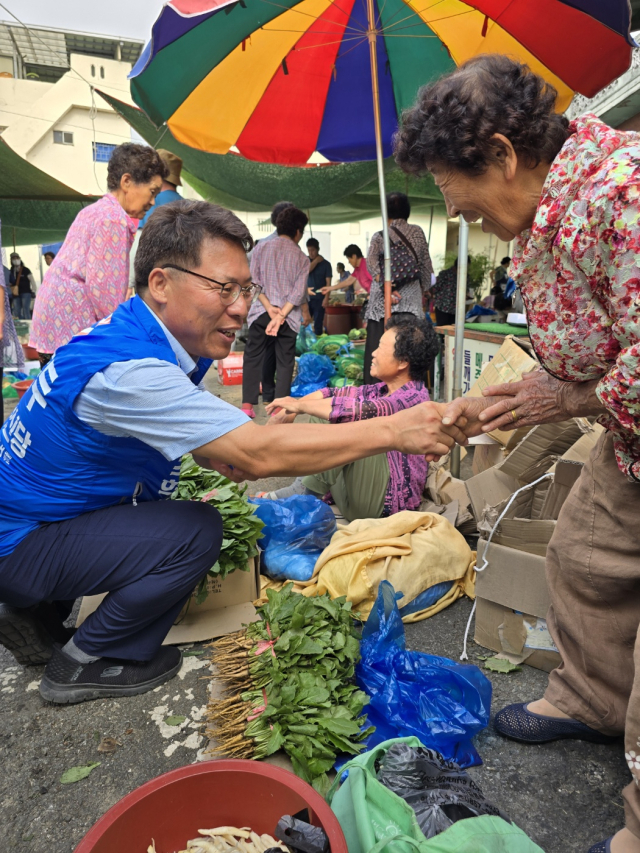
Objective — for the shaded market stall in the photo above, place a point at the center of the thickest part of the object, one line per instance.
(34, 206)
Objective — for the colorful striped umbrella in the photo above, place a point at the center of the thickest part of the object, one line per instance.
(277, 80)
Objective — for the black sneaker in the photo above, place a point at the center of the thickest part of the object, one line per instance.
(29, 633)
(66, 681)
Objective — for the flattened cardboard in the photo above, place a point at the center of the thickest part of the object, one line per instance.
(488, 489)
(507, 365)
(507, 632)
(486, 455)
(539, 449)
(226, 609)
(581, 450)
(514, 579)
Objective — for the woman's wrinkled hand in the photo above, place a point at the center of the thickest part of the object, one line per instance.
(538, 398)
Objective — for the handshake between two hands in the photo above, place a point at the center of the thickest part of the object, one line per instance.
(538, 398)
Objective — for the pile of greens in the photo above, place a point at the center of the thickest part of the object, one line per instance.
(241, 527)
(290, 679)
(358, 335)
(331, 345)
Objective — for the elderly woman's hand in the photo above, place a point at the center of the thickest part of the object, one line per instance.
(291, 405)
(538, 398)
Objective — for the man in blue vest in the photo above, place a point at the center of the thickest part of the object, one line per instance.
(92, 453)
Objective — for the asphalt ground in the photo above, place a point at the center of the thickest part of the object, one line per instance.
(565, 795)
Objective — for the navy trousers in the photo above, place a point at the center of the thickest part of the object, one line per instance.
(148, 557)
(316, 310)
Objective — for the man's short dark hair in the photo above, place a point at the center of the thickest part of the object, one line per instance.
(290, 221)
(505, 261)
(49, 254)
(340, 264)
(140, 161)
(416, 343)
(175, 232)
(398, 206)
(277, 209)
(352, 250)
(313, 243)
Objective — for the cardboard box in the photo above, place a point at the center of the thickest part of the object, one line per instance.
(508, 364)
(512, 604)
(227, 608)
(487, 452)
(515, 635)
(230, 369)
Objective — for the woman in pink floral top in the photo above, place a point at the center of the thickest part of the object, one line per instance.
(569, 194)
(89, 277)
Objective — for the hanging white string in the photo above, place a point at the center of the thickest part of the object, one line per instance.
(485, 563)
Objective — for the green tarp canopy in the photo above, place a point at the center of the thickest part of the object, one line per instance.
(343, 192)
(34, 207)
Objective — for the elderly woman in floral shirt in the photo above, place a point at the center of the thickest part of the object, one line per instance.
(569, 195)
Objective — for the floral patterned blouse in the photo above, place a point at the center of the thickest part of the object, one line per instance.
(89, 277)
(578, 269)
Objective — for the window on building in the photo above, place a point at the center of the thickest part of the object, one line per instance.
(102, 151)
(62, 137)
(93, 70)
(102, 71)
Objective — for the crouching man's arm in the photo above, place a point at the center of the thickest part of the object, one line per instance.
(289, 450)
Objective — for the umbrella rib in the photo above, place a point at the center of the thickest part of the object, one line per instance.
(309, 15)
(399, 10)
(435, 21)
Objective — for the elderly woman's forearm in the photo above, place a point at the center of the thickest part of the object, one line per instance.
(580, 399)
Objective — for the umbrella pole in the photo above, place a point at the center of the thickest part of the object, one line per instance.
(372, 35)
(461, 309)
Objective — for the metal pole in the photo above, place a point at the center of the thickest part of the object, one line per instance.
(461, 307)
(372, 34)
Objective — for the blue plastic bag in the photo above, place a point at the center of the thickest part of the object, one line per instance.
(439, 701)
(314, 372)
(306, 340)
(296, 532)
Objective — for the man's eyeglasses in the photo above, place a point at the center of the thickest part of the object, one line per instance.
(229, 291)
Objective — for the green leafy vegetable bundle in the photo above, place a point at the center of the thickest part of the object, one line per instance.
(290, 683)
(330, 345)
(358, 335)
(241, 527)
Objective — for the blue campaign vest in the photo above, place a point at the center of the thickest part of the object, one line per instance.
(53, 466)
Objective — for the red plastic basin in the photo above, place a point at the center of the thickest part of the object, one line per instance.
(173, 807)
(22, 386)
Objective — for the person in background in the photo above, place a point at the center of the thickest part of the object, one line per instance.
(381, 485)
(22, 286)
(168, 193)
(407, 300)
(90, 277)
(444, 293)
(12, 352)
(268, 385)
(48, 258)
(320, 275)
(343, 275)
(360, 275)
(281, 269)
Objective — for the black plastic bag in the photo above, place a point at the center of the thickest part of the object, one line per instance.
(438, 791)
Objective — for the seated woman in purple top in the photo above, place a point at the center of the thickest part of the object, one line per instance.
(381, 485)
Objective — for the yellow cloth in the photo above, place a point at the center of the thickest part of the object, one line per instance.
(412, 550)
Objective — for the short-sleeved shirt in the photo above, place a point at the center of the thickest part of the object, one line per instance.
(157, 403)
(362, 275)
(281, 268)
(318, 276)
(165, 197)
